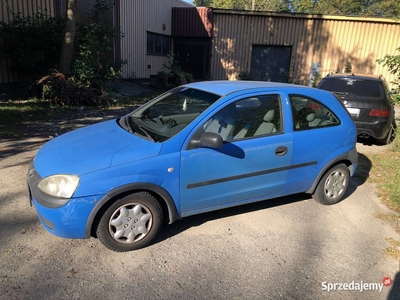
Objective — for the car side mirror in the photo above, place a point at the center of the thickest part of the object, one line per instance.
(207, 139)
(211, 140)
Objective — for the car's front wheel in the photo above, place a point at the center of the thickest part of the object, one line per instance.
(130, 223)
(333, 185)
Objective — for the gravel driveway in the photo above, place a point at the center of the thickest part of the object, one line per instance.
(289, 248)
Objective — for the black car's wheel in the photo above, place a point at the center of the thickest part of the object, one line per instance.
(388, 138)
(130, 223)
(333, 185)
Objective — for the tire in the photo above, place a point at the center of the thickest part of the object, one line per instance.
(388, 138)
(130, 223)
(333, 185)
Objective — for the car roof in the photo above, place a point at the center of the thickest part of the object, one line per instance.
(225, 87)
(356, 76)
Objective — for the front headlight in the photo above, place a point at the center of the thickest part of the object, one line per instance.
(61, 186)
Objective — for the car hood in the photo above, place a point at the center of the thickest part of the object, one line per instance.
(92, 148)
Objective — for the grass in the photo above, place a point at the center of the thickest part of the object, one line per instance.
(385, 173)
(394, 249)
(17, 112)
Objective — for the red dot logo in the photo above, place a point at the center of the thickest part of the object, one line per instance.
(387, 281)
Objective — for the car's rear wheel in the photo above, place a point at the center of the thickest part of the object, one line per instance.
(130, 223)
(388, 138)
(333, 185)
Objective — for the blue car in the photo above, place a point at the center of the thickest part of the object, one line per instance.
(196, 148)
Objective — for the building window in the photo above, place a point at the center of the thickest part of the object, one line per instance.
(158, 44)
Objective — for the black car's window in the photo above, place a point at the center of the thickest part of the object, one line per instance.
(168, 114)
(353, 87)
(307, 113)
(246, 118)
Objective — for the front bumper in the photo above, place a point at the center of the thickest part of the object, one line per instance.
(65, 218)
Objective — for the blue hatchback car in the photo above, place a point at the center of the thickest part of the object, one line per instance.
(196, 148)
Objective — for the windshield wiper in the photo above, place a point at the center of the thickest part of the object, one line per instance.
(132, 127)
(146, 133)
(124, 123)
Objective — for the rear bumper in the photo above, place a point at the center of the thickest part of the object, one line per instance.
(377, 130)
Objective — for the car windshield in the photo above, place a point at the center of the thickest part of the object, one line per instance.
(168, 114)
(353, 87)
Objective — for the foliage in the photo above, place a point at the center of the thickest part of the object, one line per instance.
(31, 44)
(386, 171)
(264, 5)
(316, 79)
(348, 68)
(245, 76)
(381, 8)
(93, 65)
(66, 90)
(392, 62)
(173, 75)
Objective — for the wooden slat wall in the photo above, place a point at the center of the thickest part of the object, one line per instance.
(329, 40)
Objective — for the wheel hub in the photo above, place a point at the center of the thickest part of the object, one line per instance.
(130, 223)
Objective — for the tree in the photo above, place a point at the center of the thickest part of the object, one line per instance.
(379, 8)
(262, 5)
(392, 62)
(68, 45)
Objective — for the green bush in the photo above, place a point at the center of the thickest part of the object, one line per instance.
(245, 76)
(31, 44)
(173, 75)
(392, 62)
(93, 65)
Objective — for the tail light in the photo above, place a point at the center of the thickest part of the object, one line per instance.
(377, 112)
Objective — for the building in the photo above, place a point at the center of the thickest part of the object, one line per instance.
(228, 44)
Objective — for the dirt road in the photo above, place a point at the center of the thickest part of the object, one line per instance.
(289, 248)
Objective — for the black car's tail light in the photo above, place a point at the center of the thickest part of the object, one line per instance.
(377, 112)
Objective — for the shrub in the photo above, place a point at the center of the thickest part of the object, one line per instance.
(93, 65)
(173, 75)
(31, 44)
(392, 62)
(245, 76)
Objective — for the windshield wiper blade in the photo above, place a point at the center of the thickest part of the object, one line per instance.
(124, 123)
(146, 133)
(128, 124)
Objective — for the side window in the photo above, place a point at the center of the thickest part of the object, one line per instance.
(308, 113)
(246, 118)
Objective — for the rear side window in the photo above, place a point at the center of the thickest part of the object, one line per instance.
(308, 113)
(353, 87)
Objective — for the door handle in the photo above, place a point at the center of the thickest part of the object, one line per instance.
(281, 150)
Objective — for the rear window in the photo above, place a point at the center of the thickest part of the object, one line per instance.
(353, 87)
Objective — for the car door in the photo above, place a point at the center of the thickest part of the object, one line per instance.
(251, 165)
(318, 138)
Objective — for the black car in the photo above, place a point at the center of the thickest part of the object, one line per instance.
(369, 102)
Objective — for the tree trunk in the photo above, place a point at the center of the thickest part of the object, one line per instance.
(67, 49)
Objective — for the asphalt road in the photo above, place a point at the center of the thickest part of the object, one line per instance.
(288, 248)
